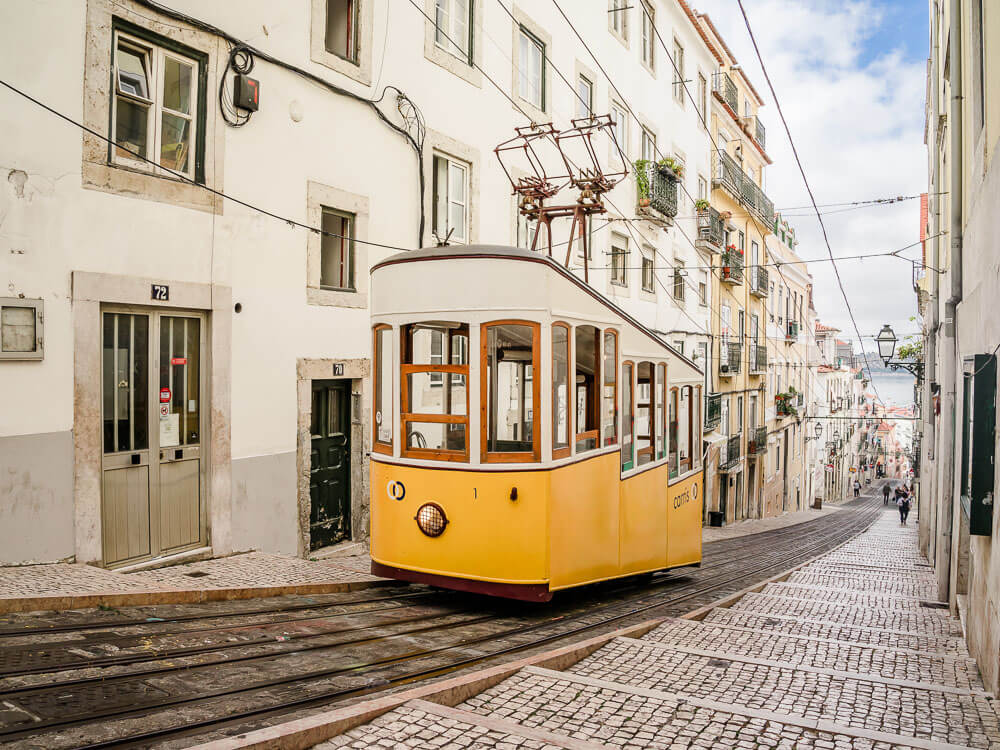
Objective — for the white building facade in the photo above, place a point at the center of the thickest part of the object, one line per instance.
(186, 361)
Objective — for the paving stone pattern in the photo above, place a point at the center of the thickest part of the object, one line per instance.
(845, 653)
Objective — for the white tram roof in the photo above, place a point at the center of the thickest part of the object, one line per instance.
(479, 283)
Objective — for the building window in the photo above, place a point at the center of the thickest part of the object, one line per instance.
(679, 280)
(584, 96)
(702, 95)
(451, 202)
(619, 260)
(342, 29)
(647, 148)
(678, 72)
(618, 10)
(620, 120)
(703, 288)
(647, 273)
(155, 112)
(20, 328)
(453, 27)
(336, 270)
(648, 43)
(702, 188)
(526, 228)
(531, 69)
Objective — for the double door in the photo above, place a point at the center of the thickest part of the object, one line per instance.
(153, 416)
(330, 465)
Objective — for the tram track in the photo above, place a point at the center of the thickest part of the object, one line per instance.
(150, 640)
(312, 687)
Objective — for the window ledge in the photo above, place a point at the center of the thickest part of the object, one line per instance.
(445, 59)
(360, 71)
(336, 298)
(123, 180)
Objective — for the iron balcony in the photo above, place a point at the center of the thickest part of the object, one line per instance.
(758, 134)
(726, 89)
(662, 198)
(732, 266)
(730, 453)
(791, 331)
(759, 281)
(713, 411)
(728, 174)
(758, 363)
(711, 229)
(729, 359)
(758, 441)
(783, 404)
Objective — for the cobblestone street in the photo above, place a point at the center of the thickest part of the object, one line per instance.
(850, 651)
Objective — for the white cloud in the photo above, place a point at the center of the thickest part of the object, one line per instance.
(856, 116)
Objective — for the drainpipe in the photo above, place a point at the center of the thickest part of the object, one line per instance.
(950, 353)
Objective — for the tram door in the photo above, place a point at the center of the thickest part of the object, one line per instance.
(330, 469)
(153, 467)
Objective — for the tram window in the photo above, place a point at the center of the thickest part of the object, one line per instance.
(672, 432)
(588, 346)
(609, 415)
(511, 353)
(628, 460)
(560, 390)
(383, 386)
(684, 429)
(659, 394)
(434, 398)
(696, 427)
(644, 441)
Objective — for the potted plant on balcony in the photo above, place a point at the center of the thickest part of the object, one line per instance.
(701, 204)
(671, 167)
(642, 181)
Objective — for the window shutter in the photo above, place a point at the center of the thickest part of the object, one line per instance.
(984, 389)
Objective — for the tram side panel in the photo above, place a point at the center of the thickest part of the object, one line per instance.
(489, 536)
(585, 521)
(684, 514)
(643, 538)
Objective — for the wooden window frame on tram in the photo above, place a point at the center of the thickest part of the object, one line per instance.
(558, 453)
(434, 454)
(498, 457)
(379, 446)
(595, 405)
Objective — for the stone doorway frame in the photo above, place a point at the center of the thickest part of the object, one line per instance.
(358, 371)
(89, 292)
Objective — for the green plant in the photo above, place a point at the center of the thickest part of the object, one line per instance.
(642, 177)
(701, 204)
(668, 162)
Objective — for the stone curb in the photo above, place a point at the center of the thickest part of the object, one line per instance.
(60, 602)
(311, 730)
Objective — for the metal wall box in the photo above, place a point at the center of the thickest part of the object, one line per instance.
(21, 328)
(246, 93)
(978, 449)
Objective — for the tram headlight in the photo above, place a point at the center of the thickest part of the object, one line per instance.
(431, 519)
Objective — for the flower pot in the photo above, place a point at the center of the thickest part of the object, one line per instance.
(644, 203)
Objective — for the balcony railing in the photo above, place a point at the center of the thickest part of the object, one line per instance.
(730, 175)
(730, 355)
(711, 228)
(657, 194)
(713, 411)
(758, 441)
(784, 404)
(758, 134)
(791, 331)
(730, 453)
(758, 361)
(800, 399)
(759, 281)
(732, 266)
(724, 86)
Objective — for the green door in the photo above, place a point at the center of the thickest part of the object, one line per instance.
(330, 470)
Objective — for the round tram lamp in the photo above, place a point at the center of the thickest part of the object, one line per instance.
(431, 519)
(886, 341)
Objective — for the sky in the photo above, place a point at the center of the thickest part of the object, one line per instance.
(850, 76)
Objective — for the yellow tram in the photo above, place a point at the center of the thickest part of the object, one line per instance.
(528, 434)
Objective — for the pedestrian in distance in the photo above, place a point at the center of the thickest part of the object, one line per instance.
(903, 503)
(857, 488)
(885, 494)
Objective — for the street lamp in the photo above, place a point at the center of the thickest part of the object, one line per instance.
(819, 432)
(886, 341)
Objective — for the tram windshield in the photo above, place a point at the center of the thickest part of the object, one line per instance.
(510, 356)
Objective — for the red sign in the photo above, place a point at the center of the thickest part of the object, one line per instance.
(164, 395)
(178, 361)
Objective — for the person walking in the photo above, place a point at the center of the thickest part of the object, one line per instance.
(885, 493)
(903, 503)
(857, 488)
